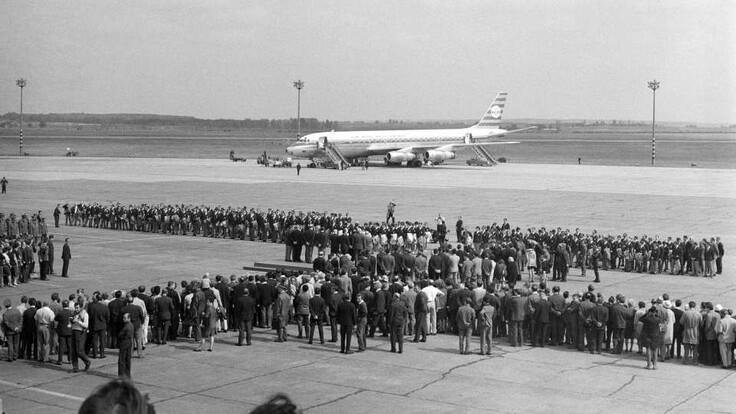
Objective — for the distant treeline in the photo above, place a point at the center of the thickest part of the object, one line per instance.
(166, 121)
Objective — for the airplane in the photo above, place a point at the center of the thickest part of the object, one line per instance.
(415, 147)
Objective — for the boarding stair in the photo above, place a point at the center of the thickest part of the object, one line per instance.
(483, 154)
(336, 156)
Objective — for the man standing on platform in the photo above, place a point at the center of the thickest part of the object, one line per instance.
(390, 212)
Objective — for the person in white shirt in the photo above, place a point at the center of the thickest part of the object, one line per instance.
(44, 318)
(432, 293)
(80, 324)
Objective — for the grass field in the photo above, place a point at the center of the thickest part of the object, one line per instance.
(712, 150)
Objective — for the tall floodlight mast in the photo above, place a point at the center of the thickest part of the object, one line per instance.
(653, 85)
(21, 84)
(299, 85)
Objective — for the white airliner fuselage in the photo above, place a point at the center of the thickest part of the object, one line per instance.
(412, 146)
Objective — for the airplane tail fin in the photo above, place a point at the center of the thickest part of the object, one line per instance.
(492, 118)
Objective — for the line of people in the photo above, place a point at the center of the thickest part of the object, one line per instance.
(536, 251)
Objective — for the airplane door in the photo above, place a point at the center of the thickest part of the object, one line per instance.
(322, 143)
(469, 138)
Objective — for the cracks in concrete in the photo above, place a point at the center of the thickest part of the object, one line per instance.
(444, 375)
(698, 393)
(336, 399)
(633, 377)
(593, 365)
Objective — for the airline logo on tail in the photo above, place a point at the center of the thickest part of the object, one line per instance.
(493, 114)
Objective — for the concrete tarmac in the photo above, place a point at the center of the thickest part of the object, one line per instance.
(428, 377)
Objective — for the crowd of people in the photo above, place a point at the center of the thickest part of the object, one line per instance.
(535, 251)
(369, 278)
(304, 305)
(26, 242)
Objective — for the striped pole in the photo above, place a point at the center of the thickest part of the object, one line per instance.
(21, 84)
(653, 85)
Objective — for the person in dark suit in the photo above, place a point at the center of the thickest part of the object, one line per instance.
(11, 325)
(397, 315)
(115, 308)
(64, 330)
(165, 311)
(347, 316)
(28, 347)
(99, 319)
(541, 317)
(176, 300)
(66, 257)
(266, 295)
(596, 326)
(245, 308)
(125, 344)
(617, 320)
(332, 299)
(50, 249)
(421, 309)
(317, 308)
(136, 318)
(296, 242)
(308, 236)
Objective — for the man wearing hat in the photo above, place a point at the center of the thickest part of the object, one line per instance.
(11, 326)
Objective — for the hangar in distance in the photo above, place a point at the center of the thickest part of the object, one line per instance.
(414, 147)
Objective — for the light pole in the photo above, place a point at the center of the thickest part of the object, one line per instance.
(22, 84)
(653, 85)
(298, 84)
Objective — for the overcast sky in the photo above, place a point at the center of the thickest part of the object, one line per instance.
(372, 60)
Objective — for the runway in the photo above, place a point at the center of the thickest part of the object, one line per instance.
(615, 200)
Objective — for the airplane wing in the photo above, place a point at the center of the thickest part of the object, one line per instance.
(453, 147)
(420, 149)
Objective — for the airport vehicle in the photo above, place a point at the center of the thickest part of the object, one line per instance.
(414, 147)
(278, 162)
(478, 162)
(233, 158)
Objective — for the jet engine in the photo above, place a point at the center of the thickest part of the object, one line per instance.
(397, 157)
(437, 157)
